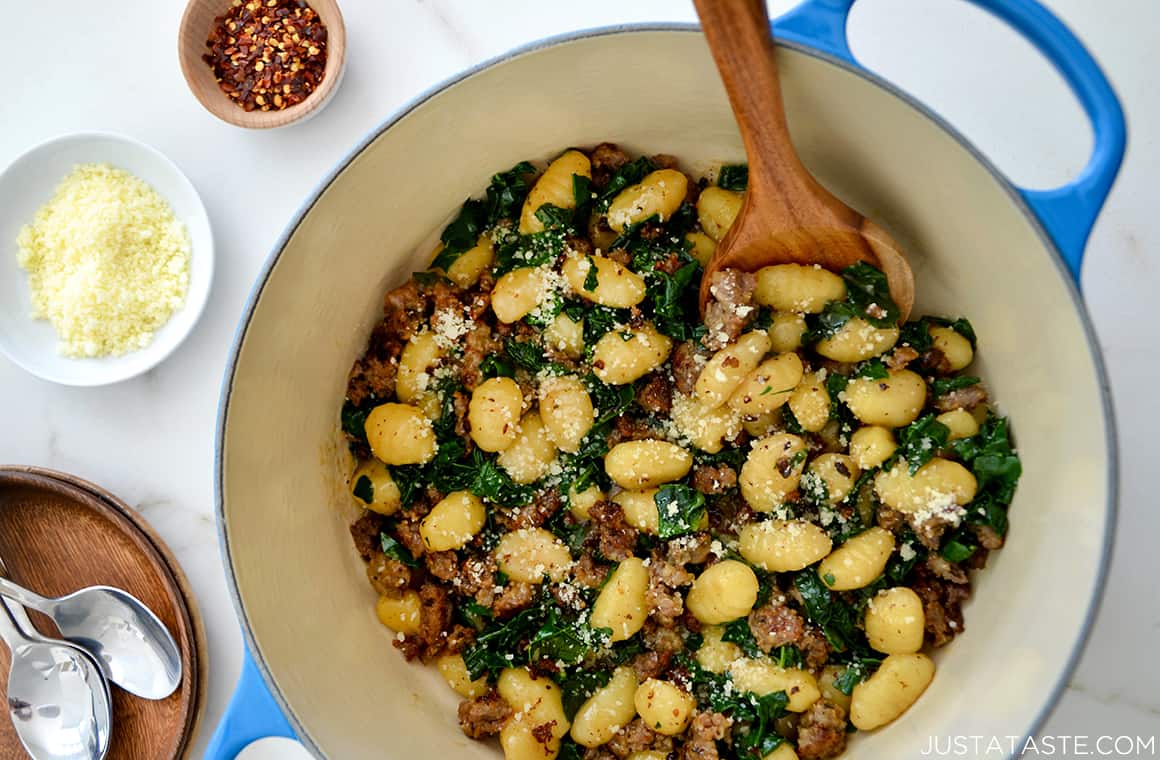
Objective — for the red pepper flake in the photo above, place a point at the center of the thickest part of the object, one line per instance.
(267, 54)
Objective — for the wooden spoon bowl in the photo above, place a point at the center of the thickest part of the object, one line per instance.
(787, 216)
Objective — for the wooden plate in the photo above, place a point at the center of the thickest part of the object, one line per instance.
(59, 533)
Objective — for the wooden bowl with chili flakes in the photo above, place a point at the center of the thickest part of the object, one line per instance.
(262, 63)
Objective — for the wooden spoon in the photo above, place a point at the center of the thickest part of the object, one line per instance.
(787, 216)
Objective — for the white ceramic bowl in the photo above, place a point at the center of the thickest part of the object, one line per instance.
(25, 186)
(977, 250)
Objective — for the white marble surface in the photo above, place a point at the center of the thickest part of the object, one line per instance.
(80, 65)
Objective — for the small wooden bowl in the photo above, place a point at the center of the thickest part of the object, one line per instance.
(59, 533)
(196, 24)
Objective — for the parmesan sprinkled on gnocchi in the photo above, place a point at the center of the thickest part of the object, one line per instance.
(621, 529)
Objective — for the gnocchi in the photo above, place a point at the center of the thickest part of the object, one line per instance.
(529, 555)
(664, 707)
(374, 488)
(783, 546)
(706, 429)
(659, 194)
(715, 654)
(810, 403)
(647, 464)
(580, 503)
(772, 471)
(858, 562)
(761, 678)
(640, 509)
(610, 708)
(400, 434)
(897, 684)
(621, 607)
(453, 521)
(798, 288)
(834, 476)
(895, 621)
(415, 363)
(872, 445)
(857, 340)
(620, 357)
(891, 402)
(517, 293)
(716, 210)
(454, 671)
(785, 331)
(566, 411)
(723, 592)
(470, 265)
(535, 702)
(768, 386)
(604, 281)
(530, 456)
(940, 485)
(399, 613)
(566, 335)
(729, 367)
(956, 349)
(494, 413)
(556, 187)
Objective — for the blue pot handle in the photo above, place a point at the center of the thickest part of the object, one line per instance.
(1067, 212)
(252, 714)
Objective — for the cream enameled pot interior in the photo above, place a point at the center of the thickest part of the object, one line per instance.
(974, 252)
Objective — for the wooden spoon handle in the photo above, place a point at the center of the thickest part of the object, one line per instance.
(739, 37)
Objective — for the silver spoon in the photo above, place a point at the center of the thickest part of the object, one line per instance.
(19, 614)
(133, 646)
(57, 697)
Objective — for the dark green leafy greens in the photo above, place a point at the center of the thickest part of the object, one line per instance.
(503, 200)
(364, 489)
(354, 418)
(538, 632)
(944, 385)
(679, 510)
(539, 248)
(395, 550)
(494, 365)
(916, 334)
(856, 671)
(996, 468)
(874, 369)
(837, 620)
(733, 177)
(579, 684)
(921, 440)
(754, 717)
(867, 298)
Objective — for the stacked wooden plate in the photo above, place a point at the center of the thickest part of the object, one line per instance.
(59, 533)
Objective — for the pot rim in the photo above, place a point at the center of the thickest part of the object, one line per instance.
(1071, 285)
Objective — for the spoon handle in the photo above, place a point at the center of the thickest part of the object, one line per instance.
(19, 614)
(739, 37)
(10, 630)
(18, 593)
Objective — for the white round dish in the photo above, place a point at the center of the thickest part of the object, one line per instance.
(25, 186)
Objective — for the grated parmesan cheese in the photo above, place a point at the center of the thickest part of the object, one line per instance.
(107, 262)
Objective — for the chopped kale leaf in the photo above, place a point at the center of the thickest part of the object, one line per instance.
(733, 177)
(920, 441)
(679, 509)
